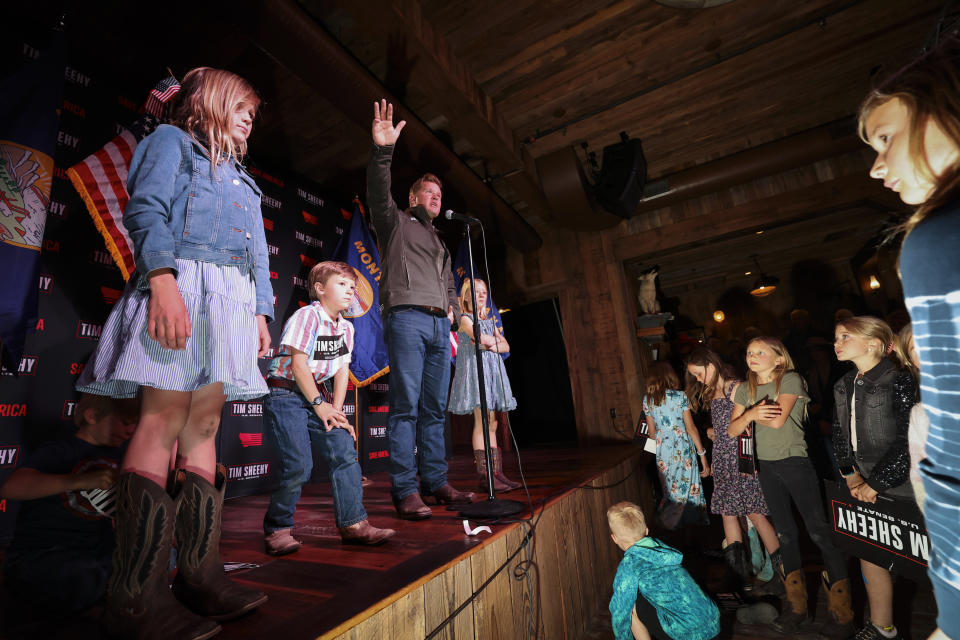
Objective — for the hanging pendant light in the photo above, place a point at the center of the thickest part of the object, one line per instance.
(765, 284)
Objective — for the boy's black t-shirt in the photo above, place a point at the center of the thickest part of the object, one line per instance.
(65, 520)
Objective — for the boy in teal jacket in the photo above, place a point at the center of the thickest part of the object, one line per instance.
(653, 595)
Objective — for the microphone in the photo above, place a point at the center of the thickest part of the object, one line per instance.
(450, 214)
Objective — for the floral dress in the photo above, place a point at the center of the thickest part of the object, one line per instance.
(734, 493)
(683, 500)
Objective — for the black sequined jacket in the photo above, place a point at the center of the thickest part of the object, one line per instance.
(884, 397)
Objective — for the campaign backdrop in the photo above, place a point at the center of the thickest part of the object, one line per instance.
(79, 281)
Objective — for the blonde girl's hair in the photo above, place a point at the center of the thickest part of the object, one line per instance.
(701, 394)
(872, 329)
(661, 377)
(466, 298)
(205, 107)
(628, 519)
(902, 346)
(781, 369)
(929, 88)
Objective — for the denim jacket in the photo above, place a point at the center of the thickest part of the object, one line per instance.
(884, 397)
(179, 209)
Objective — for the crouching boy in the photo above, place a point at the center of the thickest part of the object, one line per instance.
(60, 557)
(653, 595)
(315, 347)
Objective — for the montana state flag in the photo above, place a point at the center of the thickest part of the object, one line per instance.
(369, 359)
(30, 100)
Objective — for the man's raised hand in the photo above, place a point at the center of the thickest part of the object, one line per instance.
(384, 132)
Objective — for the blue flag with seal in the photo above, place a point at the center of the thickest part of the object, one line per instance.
(461, 272)
(369, 360)
(30, 99)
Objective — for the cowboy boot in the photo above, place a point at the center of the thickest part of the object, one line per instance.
(497, 455)
(412, 507)
(201, 583)
(773, 586)
(480, 459)
(365, 533)
(839, 626)
(139, 602)
(793, 611)
(448, 495)
(733, 554)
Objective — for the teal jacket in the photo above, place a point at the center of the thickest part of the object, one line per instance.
(653, 569)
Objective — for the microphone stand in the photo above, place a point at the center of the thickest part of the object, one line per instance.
(493, 507)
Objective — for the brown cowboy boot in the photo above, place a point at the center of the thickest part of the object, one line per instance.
(480, 459)
(201, 583)
(365, 533)
(840, 624)
(448, 495)
(412, 508)
(793, 611)
(139, 602)
(497, 456)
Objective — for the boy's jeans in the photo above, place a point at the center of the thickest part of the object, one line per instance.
(290, 426)
(419, 348)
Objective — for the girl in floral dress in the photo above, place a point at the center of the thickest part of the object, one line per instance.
(711, 382)
(678, 447)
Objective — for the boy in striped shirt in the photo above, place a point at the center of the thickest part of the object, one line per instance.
(300, 412)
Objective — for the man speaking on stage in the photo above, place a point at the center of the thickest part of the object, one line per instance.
(419, 304)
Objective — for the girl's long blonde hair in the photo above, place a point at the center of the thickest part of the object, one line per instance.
(902, 346)
(466, 298)
(205, 107)
(781, 369)
(929, 88)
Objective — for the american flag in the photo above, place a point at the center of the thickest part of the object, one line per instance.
(101, 179)
(159, 96)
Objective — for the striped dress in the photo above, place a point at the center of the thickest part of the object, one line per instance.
(930, 266)
(222, 347)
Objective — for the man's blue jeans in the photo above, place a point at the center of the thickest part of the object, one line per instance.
(419, 348)
(290, 426)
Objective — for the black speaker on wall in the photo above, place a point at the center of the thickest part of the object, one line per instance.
(619, 185)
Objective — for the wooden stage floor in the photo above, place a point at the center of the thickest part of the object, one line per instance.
(328, 590)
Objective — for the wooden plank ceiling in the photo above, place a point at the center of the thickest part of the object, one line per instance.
(504, 82)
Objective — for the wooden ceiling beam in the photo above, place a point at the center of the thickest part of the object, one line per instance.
(452, 90)
(292, 37)
(840, 193)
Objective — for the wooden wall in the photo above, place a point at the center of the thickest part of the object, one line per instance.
(587, 271)
(572, 562)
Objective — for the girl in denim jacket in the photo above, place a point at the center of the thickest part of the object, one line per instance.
(873, 403)
(186, 333)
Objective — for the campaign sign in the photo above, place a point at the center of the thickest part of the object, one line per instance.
(890, 533)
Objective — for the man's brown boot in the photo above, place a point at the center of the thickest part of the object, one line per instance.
(365, 533)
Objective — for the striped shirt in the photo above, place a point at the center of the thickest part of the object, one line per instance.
(930, 264)
(328, 344)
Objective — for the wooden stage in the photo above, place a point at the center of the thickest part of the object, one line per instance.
(556, 587)
(409, 586)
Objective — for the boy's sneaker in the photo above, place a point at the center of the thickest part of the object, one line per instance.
(871, 632)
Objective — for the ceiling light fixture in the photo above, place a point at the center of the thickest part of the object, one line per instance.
(765, 284)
